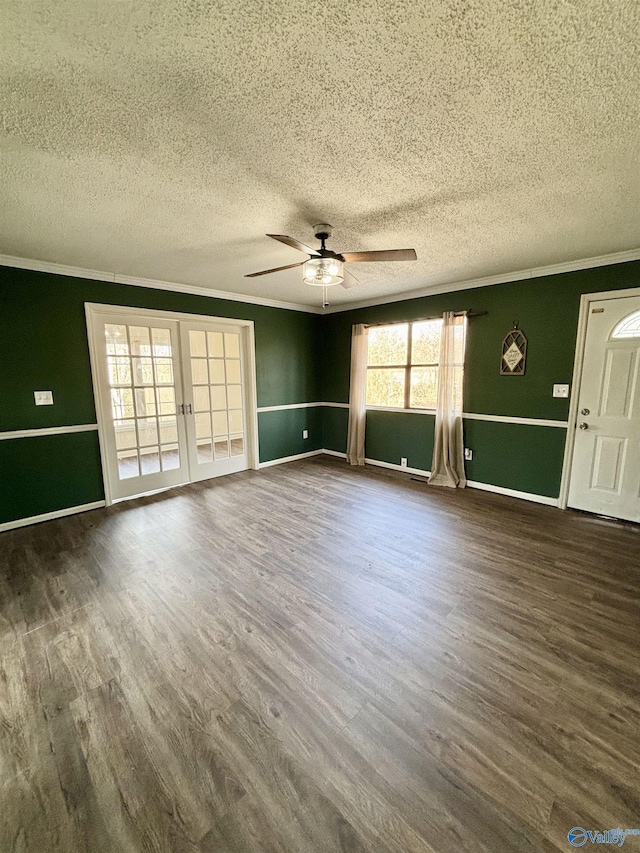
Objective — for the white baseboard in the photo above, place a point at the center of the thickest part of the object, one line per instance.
(48, 516)
(472, 484)
(513, 493)
(417, 471)
(334, 453)
(285, 459)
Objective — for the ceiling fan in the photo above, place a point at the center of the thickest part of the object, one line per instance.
(324, 267)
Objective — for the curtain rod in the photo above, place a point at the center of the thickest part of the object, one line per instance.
(424, 319)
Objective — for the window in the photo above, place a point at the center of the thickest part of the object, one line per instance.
(629, 327)
(402, 365)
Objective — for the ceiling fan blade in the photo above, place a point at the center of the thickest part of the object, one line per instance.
(275, 269)
(349, 280)
(385, 255)
(295, 244)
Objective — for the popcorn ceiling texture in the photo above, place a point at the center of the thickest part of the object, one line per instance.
(164, 140)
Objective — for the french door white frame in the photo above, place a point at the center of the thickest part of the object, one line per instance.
(94, 311)
(585, 304)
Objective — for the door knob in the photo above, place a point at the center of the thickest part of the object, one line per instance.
(585, 411)
(583, 425)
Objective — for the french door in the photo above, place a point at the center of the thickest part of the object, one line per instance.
(214, 399)
(173, 398)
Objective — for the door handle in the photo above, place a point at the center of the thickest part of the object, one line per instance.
(188, 409)
(181, 409)
(584, 425)
(585, 411)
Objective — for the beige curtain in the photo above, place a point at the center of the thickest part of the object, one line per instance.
(357, 395)
(447, 466)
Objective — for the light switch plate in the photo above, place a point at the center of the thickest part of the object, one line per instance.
(43, 398)
(305, 433)
(560, 390)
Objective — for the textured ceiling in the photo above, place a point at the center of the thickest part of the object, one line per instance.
(164, 140)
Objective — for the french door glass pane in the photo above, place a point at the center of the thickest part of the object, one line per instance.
(197, 343)
(216, 370)
(216, 345)
(234, 393)
(161, 343)
(139, 360)
(233, 370)
(150, 460)
(166, 401)
(170, 457)
(116, 338)
(199, 374)
(142, 371)
(140, 340)
(201, 398)
(218, 407)
(128, 464)
(145, 402)
(218, 397)
(235, 420)
(205, 451)
(232, 345)
(220, 423)
(203, 425)
(168, 429)
(125, 434)
(222, 448)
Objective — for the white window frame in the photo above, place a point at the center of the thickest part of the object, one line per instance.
(406, 367)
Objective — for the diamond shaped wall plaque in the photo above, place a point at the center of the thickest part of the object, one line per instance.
(514, 353)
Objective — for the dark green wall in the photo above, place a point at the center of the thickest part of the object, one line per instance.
(48, 473)
(281, 432)
(392, 435)
(299, 358)
(43, 346)
(516, 456)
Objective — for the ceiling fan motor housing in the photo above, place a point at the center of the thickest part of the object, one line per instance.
(322, 231)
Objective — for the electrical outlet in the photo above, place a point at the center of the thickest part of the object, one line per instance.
(560, 390)
(305, 433)
(43, 398)
(403, 462)
(468, 453)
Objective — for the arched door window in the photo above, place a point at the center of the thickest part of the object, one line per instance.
(629, 327)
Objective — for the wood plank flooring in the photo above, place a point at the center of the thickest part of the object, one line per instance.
(313, 659)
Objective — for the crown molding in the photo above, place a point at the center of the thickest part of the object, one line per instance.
(135, 281)
(487, 281)
(196, 290)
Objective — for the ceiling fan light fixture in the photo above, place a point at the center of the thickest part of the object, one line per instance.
(323, 272)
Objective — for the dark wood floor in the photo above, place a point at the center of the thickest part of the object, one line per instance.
(313, 659)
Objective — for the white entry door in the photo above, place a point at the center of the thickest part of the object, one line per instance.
(605, 472)
(173, 398)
